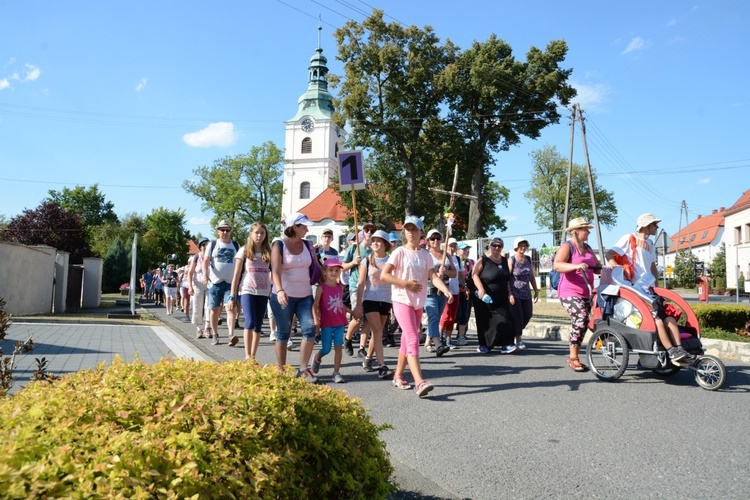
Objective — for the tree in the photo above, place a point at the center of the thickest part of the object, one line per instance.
(684, 268)
(243, 189)
(165, 235)
(90, 204)
(49, 224)
(389, 96)
(101, 237)
(718, 266)
(549, 178)
(116, 266)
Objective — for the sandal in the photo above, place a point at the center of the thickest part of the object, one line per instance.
(576, 365)
(423, 388)
(401, 383)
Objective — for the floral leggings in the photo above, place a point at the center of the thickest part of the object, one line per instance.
(579, 310)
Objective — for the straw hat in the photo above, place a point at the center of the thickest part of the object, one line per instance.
(578, 223)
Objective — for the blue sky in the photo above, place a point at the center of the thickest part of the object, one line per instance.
(135, 95)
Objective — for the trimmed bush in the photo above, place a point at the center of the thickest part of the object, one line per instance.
(187, 429)
(724, 317)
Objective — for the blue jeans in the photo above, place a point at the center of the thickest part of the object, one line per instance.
(434, 306)
(302, 307)
(218, 293)
(331, 336)
(253, 308)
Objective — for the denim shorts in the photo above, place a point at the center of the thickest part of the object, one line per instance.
(218, 293)
(302, 307)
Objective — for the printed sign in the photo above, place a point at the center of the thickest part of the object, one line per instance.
(351, 170)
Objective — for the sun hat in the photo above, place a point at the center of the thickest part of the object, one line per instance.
(646, 219)
(518, 241)
(415, 221)
(350, 237)
(383, 236)
(202, 241)
(223, 224)
(463, 245)
(578, 223)
(433, 232)
(392, 237)
(297, 218)
(452, 241)
(332, 262)
(369, 224)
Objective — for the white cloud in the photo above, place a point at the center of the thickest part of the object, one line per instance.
(672, 22)
(510, 218)
(4, 84)
(591, 97)
(216, 134)
(31, 73)
(705, 180)
(141, 85)
(636, 43)
(199, 221)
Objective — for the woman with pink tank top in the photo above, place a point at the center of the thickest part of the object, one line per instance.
(574, 257)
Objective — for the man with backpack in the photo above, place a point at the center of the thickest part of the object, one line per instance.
(218, 270)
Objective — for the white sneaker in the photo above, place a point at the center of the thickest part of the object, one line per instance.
(337, 378)
(290, 345)
(520, 345)
(462, 341)
(272, 338)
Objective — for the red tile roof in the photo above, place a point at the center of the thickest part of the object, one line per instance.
(192, 247)
(701, 231)
(741, 204)
(327, 205)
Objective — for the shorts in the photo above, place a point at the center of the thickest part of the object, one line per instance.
(375, 306)
(218, 293)
(353, 298)
(171, 292)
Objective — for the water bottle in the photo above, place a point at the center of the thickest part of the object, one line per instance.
(486, 298)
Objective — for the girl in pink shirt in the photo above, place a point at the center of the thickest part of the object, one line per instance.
(408, 270)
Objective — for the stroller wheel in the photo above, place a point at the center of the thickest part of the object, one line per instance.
(710, 372)
(607, 354)
(666, 372)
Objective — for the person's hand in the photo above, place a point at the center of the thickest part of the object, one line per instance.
(536, 296)
(415, 286)
(450, 298)
(583, 266)
(282, 299)
(512, 300)
(230, 305)
(191, 291)
(316, 321)
(204, 280)
(441, 272)
(357, 312)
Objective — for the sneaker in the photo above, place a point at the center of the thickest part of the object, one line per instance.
(448, 343)
(290, 346)
(483, 349)
(462, 341)
(317, 339)
(423, 388)
(520, 345)
(688, 357)
(349, 348)
(316, 364)
(430, 348)
(362, 353)
(337, 378)
(310, 376)
(384, 372)
(389, 341)
(442, 350)
(509, 349)
(233, 341)
(272, 338)
(216, 340)
(367, 365)
(199, 334)
(676, 354)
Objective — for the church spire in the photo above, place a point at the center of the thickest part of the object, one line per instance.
(317, 101)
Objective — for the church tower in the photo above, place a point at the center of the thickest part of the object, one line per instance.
(312, 140)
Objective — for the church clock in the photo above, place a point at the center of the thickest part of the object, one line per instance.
(307, 125)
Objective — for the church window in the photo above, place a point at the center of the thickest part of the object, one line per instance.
(304, 191)
(306, 145)
(336, 151)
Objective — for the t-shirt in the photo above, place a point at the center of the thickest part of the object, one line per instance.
(256, 277)
(147, 277)
(323, 254)
(351, 255)
(221, 266)
(332, 312)
(375, 289)
(170, 279)
(645, 254)
(452, 282)
(436, 263)
(410, 265)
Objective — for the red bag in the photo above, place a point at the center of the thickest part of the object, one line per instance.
(628, 264)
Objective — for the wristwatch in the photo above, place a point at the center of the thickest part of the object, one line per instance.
(231, 297)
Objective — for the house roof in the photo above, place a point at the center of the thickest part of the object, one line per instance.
(741, 204)
(327, 205)
(701, 231)
(192, 247)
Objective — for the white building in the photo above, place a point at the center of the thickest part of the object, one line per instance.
(703, 237)
(737, 223)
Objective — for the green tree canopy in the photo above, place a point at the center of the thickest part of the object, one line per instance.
(49, 224)
(116, 266)
(165, 234)
(549, 179)
(684, 268)
(242, 189)
(718, 266)
(89, 203)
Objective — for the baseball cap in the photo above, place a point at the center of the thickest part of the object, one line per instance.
(452, 241)
(297, 218)
(433, 232)
(332, 262)
(328, 231)
(463, 245)
(416, 221)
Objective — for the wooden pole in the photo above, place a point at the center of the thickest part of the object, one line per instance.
(356, 224)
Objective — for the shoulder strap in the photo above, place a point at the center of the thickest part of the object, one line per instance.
(632, 247)
(570, 256)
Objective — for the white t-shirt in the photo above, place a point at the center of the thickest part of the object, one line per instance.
(645, 254)
(221, 266)
(256, 279)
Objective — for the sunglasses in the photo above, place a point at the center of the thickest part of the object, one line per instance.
(496, 246)
(368, 230)
(225, 230)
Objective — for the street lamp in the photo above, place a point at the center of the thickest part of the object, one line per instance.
(171, 256)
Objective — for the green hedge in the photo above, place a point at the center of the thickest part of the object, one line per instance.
(185, 429)
(725, 317)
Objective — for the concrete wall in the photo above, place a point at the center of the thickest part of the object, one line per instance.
(92, 283)
(62, 261)
(26, 278)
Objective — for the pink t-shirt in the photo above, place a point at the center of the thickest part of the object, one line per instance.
(332, 312)
(256, 279)
(410, 265)
(572, 283)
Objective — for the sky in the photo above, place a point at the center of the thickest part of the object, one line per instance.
(135, 95)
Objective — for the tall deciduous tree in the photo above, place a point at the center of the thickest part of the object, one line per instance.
(49, 224)
(165, 235)
(242, 189)
(495, 101)
(549, 178)
(89, 203)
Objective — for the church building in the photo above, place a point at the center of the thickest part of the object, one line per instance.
(312, 146)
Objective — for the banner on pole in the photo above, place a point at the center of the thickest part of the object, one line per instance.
(352, 169)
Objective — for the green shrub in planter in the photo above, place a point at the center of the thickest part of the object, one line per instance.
(724, 317)
(186, 429)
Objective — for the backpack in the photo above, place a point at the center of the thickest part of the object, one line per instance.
(628, 264)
